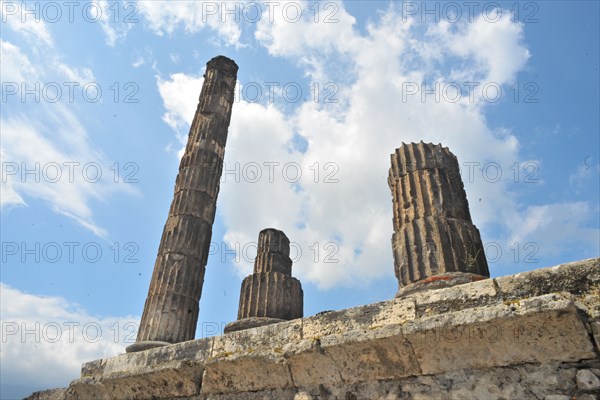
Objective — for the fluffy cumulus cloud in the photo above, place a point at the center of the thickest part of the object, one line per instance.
(288, 32)
(49, 338)
(331, 196)
(492, 45)
(192, 16)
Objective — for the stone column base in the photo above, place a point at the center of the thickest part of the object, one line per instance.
(145, 345)
(252, 322)
(439, 282)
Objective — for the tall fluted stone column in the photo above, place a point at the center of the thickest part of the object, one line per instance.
(435, 244)
(171, 310)
(270, 294)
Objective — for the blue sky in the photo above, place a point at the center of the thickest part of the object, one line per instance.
(96, 105)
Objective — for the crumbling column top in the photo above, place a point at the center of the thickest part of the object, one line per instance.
(222, 62)
(271, 240)
(410, 157)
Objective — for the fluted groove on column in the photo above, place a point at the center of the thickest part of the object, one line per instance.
(270, 294)
(434, 243)
(171, 309)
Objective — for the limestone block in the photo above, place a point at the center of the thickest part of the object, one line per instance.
(455, 298)
(246, 370)
(162, 372)
(364, 317)
(570, 277)
(471, 341)
(275, 336)
(310, 365)
(587, 380)
(379, 354)
(539, 329)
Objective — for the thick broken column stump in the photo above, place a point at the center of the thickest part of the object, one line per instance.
(435, 244)
(171, 310)
(270, 294)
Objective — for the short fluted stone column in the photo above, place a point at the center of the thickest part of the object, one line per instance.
(171, 309)
(270, 294)
(435, 244)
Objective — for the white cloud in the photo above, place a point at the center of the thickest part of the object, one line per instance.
(66, 189)
(495, 47)
(193, 16)
(556, 228)
(10, 197)
(31, 26)
(19, 68)
(138, 62)
(284, 36)
(180, 94)
(115, 19)
(16, 66)
(45, 339)
(584, 174)
(82, 76)
(45, 137)
(350, 220)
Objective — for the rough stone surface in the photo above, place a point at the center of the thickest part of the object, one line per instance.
(576, 277)
(252, 322)
(272, 295)
(53, 394)
(481, 340)
(171, 309)
(523, 382)
(162, 372)
(505, 334)
(433, 232)
(587, 380)
(270, 292)
(595, 327)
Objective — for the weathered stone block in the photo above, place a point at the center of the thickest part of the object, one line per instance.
(310, 365)
(539, 329)
(378, 353)
(570, 277)
(246, 371)
(364, 317)
(455, 298)
(471, 341)
(164, 372)
(276, 336)
(587, 380)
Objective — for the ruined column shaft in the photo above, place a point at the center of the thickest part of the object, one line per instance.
(270, 294)
(430, 246)
(171, 309)
(434, 239)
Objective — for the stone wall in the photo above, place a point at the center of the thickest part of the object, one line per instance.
(532, 335)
